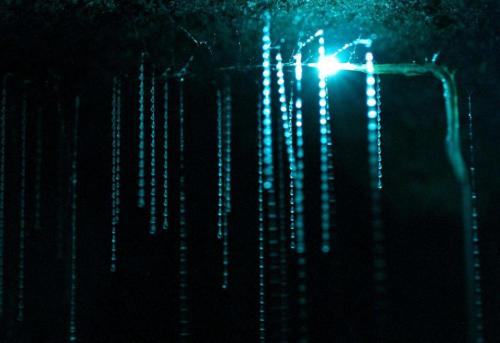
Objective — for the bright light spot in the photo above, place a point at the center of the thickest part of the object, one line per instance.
(329, 65)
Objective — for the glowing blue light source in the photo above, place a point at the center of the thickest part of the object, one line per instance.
(328, 65)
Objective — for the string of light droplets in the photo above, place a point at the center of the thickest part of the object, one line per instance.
(478, 303)
(227, 183)
(141, 174)
(183, 234)
(379, 263)
(165, 155)
(152, 204)
(299, 202)
(324, 170)
(261, 234)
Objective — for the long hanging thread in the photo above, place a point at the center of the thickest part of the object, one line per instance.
(220, 171)
(183, 234)
(115, 168)
(323, 124)
(165, 155)
(141, 174)
(379, 263)
(222, 161)
(22, 215)
(38, 171)
(379, 132)
(3, 122)
(227, 183)
(152, 204)
(478, 303)
(261, 238)
(299, 203)
(291, 106)
(287, 138)
(74, 184)
(269, 183)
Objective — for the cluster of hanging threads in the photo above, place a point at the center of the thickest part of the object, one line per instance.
(379, 263)
(3, 122)
(324, 148)
(22, 214)
(115, 167)
(74, 180)
(141, 181)
(165, 155)
(183, 262)
(38, 171)
(299, 201)
(152, 204)
(478, 303)
(379, 132)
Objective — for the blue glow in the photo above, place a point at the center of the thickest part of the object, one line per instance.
(141, 182)
(152, 205)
